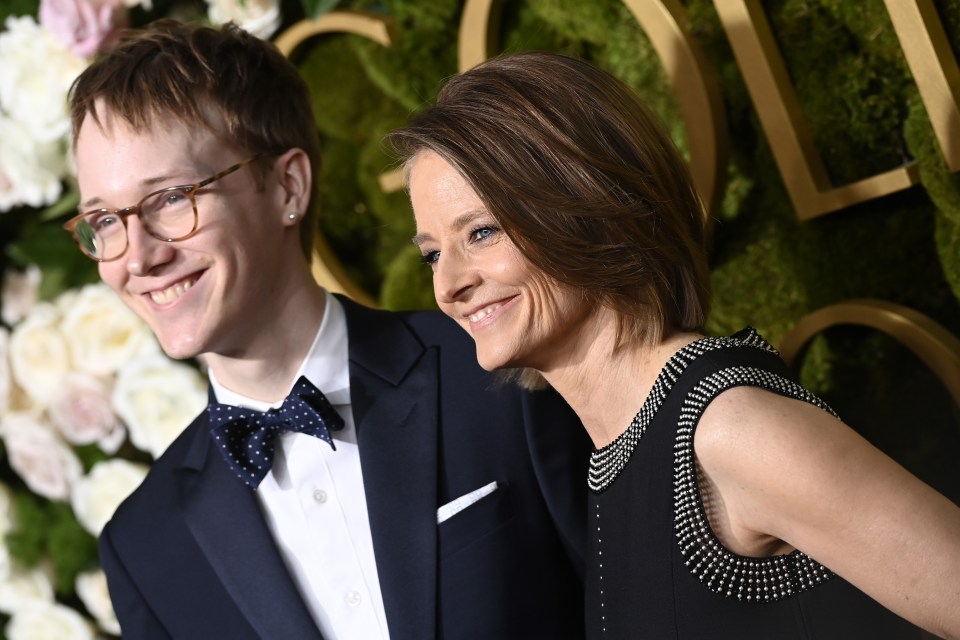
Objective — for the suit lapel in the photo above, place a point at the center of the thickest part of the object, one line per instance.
(224, 517)
(394, 389)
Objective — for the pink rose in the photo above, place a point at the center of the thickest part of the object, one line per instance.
(83, 413)
(86, 26)
(39, 456)
(20, 292)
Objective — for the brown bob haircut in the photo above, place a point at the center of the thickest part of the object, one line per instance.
(582, 178)
(220, 79)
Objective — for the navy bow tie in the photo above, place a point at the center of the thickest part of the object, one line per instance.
(245, 437)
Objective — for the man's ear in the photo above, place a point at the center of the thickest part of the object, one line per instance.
(295, 181)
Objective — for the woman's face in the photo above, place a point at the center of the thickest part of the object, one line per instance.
(517, 315)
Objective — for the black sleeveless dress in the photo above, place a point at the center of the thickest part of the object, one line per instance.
(656, 570)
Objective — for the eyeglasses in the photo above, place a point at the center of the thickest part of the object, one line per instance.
(168, 214)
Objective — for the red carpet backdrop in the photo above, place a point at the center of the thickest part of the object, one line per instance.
(823, 137)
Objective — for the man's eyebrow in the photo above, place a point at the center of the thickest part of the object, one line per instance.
(147, 184)
(461, 221)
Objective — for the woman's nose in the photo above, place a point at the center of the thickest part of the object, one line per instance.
(454, 278)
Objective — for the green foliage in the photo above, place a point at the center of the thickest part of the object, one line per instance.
(316, 8)
(17, 8)
(52, 249)
(48, 529)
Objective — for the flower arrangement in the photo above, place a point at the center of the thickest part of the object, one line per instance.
(87, 398)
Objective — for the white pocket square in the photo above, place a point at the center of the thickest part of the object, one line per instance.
(454, 507)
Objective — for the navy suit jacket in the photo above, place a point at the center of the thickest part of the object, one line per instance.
(188, 555)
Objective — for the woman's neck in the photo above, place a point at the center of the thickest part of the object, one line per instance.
(606, 388)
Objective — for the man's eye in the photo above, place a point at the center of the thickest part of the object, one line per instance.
(104, 221)
(174, 199)
(430, 257)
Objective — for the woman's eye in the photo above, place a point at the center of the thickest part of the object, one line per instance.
(430, 257)
(482, 233)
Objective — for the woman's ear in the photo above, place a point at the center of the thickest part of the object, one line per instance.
(295, 180)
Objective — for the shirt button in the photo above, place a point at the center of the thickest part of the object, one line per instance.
(320, 496)
(352, 598)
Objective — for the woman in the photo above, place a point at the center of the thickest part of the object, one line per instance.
(565, 236)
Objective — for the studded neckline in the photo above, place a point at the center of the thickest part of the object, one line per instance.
(609, 461)
(748, 579)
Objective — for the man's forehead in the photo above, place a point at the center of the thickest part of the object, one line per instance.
(113, 121)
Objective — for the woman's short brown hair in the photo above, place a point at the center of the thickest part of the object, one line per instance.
(583, 179)
(204, 77)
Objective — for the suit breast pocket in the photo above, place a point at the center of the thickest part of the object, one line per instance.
(479, 520)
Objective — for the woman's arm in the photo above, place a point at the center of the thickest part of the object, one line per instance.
(778, 469)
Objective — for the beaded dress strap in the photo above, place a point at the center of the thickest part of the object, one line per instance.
(744, 578)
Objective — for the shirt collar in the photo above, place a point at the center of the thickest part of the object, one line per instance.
(326, 364)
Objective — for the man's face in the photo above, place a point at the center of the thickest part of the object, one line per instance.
(212, 292)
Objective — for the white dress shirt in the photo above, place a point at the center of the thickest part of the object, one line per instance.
(314, 504)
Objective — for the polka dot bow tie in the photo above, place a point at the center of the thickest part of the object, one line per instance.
(245, 437)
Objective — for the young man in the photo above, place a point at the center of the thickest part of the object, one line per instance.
(408, 497)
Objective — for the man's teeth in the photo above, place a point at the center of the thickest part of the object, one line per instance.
(172, 293)
(480, 315)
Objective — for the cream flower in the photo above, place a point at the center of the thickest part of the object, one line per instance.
(36, 453)
(92, 589)
(36, 71)
(20, 290)
(23, 586)
(83, 414)
(102, 332)
(157, 398)
(39, 358)
(40, 620)
(30, 170)
(259, 17)
(96, 496)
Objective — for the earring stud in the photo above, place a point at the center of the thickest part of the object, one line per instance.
(292, 215)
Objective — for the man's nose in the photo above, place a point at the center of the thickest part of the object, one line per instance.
(144, 252)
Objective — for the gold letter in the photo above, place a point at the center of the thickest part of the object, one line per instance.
(928, 53)
(932, 343)
(779, 110)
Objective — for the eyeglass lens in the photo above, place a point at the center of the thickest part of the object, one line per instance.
(166, 215)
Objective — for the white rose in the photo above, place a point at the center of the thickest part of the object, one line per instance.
(36, 71)
(23, 586)
(31, 171)
(92, 589)
(47, 621)
(102, 332)
(39, 456)
(83, 414)
(39, 358)
(158, 398)
(20, 289)
(96, 496)
(259, 17)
